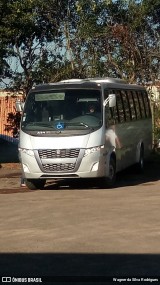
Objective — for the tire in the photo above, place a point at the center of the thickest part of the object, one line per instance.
(109, 182)
(139, 167)
(34, 184)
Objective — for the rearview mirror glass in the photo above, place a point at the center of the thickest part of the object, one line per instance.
(112, 100)
(19, 106)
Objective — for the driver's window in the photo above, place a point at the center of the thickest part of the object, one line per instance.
(109, 112)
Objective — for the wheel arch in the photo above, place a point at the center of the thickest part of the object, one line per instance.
(140, 147)
(113, 156)
(110, 155)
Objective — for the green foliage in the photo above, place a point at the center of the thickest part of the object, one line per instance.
(58, 39)
(26, 27)
(107, 38)
(13, 121)
(43, 41)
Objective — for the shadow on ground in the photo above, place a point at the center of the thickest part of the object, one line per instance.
(89, 267)
(128, 177)
(8, 151)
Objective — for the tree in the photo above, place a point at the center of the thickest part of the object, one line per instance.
(53, 40)
(58, 39)
(26, 28)
(106, 38)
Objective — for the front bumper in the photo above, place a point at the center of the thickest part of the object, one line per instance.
(90, 166)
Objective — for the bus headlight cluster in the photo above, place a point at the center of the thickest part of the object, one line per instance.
(92, 150)
(27, 151)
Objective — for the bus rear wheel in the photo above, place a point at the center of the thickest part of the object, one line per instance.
(140, 164)
(34, 184)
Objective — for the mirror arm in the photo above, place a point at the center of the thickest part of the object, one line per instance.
(106, 101)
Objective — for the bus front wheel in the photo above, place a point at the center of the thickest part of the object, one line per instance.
(34, 184)
(109, 181)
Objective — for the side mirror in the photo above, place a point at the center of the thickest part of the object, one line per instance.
(111, 100)
(19, 106)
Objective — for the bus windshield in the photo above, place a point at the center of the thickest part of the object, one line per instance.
(63, 110)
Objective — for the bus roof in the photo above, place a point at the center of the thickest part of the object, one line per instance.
(88, 83)
(96, 80)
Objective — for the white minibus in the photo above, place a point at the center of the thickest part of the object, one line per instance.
(84, 128)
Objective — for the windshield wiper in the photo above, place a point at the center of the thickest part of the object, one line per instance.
(66, 125)
(39, 124)
(77, 124)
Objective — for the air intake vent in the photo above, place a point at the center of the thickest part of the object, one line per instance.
(58, 153)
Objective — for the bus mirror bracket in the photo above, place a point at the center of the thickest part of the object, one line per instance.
(19, 106)
(111, 100)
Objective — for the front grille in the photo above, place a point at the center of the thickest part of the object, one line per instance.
(58, 167)
(58, 153)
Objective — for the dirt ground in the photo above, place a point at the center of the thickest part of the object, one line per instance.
(10, 174)
(10, 170)
(83, 231)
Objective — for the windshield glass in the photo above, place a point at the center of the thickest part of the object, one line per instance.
(63, 110)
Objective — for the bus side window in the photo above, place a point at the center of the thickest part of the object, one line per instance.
(142, 109)
(126, 105)
(120, 112)
(137, 104)
(146, 104)
(132, 105)
(109, 117)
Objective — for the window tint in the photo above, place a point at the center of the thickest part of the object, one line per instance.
(137, 105)
(126, 106)
(141, 103)
(132, 105)
(146, 103)
(120, 114)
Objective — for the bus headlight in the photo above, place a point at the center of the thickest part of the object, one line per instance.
(92, 149)
(27, 151)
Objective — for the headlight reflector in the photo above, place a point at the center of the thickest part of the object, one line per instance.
(30, 152)
(92, 149)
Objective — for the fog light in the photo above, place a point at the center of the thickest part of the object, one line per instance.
(95, 166)
(25, 168)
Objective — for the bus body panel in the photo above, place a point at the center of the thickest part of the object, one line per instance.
(131, 136)
(32, 165)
